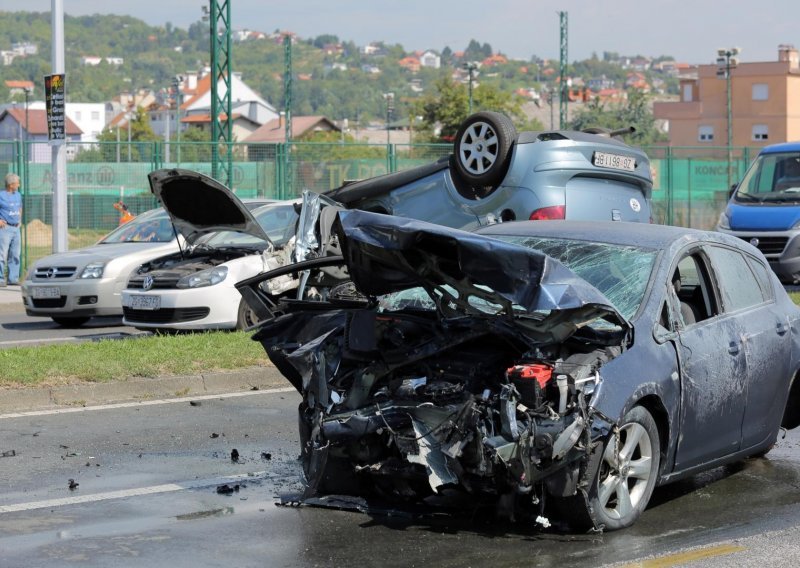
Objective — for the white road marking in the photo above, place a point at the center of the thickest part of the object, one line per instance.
(124, 493)
(53, 411)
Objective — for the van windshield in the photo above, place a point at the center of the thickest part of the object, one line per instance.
(772, 178)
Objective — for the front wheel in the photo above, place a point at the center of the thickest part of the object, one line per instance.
(627, 473)
(246, 317)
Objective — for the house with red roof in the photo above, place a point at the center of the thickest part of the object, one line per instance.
(17, 124)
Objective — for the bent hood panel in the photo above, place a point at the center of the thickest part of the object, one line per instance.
(198, 205)
(387, 254)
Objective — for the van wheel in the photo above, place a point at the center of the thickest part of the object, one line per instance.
(483, 149)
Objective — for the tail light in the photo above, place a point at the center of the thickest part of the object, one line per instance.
(545, 213)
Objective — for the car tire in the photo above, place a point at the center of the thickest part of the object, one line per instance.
(246, 317)
(70, 322)
(483, 150)
(619, 493)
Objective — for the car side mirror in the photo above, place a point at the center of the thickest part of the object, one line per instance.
(732, 190)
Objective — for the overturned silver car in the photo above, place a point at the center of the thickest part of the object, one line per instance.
(460, 364)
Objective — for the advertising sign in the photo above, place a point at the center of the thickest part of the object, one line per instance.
(54, 94)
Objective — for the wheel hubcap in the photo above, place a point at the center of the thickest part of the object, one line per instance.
(479, 148)
(625, 474)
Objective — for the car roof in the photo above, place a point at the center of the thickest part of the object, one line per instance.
(644, 235)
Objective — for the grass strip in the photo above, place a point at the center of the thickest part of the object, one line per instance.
(118, 359)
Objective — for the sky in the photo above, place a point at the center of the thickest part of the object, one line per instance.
(690, 31)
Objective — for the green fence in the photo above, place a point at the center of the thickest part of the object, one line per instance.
(690, 184)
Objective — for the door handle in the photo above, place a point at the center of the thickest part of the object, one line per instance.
(733, 348)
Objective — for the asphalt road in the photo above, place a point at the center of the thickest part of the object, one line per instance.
(148, 475)
(19, 330)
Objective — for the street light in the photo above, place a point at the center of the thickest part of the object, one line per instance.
(389, 111)
(28, 90)
(470, 67)
(726, 60)
(176, 85)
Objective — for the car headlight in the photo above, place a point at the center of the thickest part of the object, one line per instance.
(724, 221)
(207, 277)
(93, 270)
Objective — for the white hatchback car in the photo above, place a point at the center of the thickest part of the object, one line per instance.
(194, 289)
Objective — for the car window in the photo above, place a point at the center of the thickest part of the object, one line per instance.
(277, 221)
(621, 273)
(737, 283)
(763, 275)
(152, 226)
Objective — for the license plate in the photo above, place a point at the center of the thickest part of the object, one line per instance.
(614, 161)
(46, 292)
(145, 302)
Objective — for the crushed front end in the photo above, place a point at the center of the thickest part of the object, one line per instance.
(467, 366)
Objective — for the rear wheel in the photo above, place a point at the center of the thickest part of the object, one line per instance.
(70, 322)
(483, 150)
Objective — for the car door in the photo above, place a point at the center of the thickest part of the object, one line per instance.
(747, 295)
(713, 369)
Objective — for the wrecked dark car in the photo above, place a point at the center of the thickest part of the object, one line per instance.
(559, 370)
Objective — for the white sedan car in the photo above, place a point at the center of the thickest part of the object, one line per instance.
(71, 287)
(194, 289)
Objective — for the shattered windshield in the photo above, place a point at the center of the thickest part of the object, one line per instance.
(620, 272)
(773, 178)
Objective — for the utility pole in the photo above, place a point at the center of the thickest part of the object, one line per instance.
(287, 107)
(58, 149)
(221, 130)
(726, 61)
(563, 87)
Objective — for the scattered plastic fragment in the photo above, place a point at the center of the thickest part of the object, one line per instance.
(234, 455)
(226, 489)
(544, 522)
(195, 403)
(73, 485)
(266, 456)
(214, 435)
(8, 454)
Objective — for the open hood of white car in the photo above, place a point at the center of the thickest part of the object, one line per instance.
(198, 204)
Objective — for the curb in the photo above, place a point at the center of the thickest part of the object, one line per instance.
(133, 390)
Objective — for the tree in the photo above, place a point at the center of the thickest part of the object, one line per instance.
(635, 111)
(448, 106)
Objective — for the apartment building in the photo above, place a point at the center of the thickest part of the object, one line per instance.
(765, 104)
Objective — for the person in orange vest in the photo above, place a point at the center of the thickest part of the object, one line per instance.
(125, 215)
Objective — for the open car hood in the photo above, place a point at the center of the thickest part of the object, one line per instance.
(198, 205)
(469, 274)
